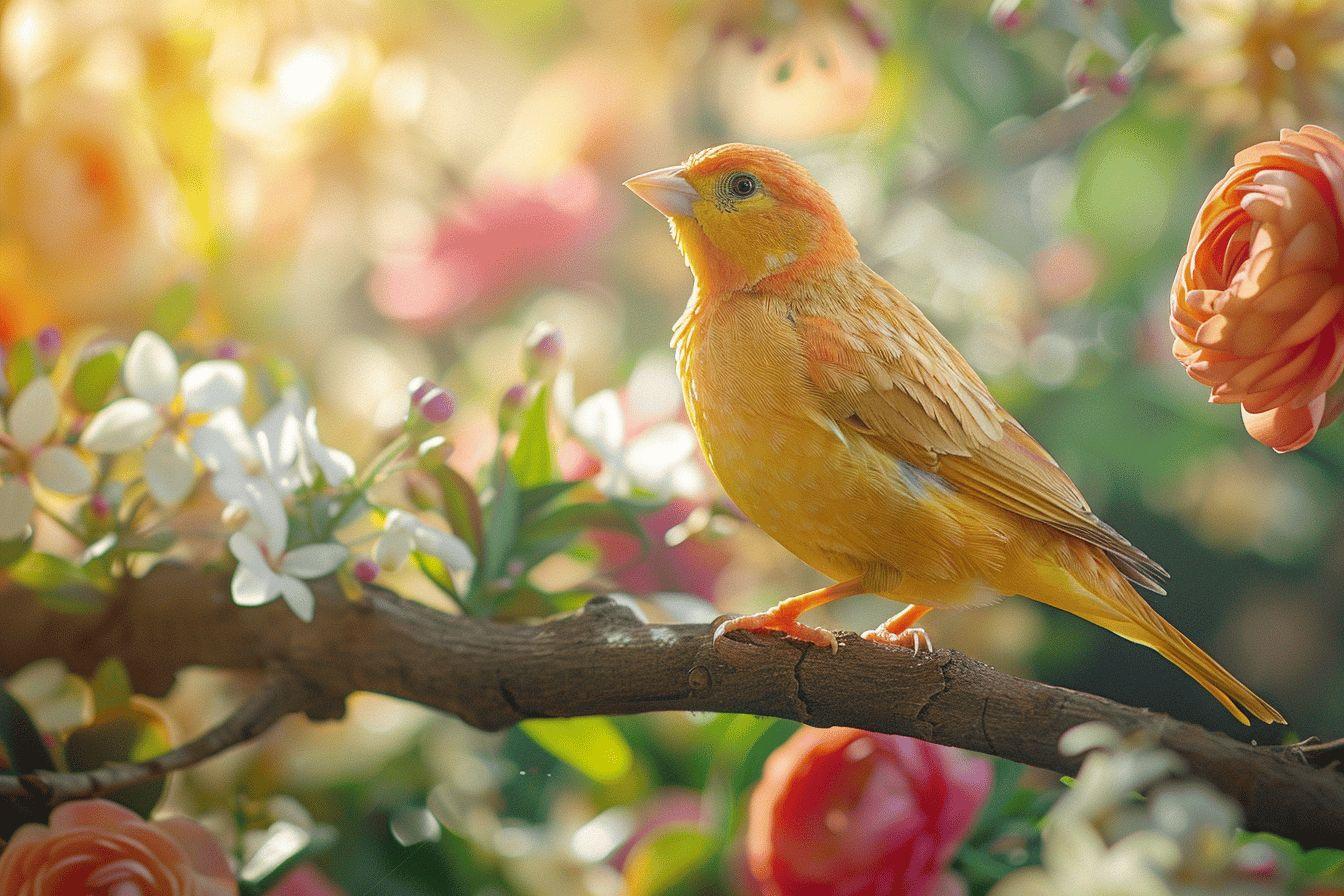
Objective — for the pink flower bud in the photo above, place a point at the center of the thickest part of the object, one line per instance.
(99, 506)
(366, 570)
(48, 343)
(511, 405)
(1120, 84)
(418, 389)
(438, 405)
(228, 350)
(545, 349)
(756, 44)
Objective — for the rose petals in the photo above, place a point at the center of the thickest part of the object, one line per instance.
(1257, 307)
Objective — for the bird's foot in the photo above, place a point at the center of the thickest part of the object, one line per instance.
(772, 621)
(910, 638)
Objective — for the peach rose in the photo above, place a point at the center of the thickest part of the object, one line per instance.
(1257, 308)
(98, 848)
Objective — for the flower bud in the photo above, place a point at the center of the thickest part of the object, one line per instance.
(437, 405)
(544, 351)
(1089, 67)
(366, 570)
(511, 405)
(99, 506)
(1013, 16)
(418, 388)
(228, 350)
(48, 344)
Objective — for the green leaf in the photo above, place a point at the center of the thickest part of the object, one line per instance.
(460, 506)
(501, 525)
(14, 550)
(131, 733)
(45, 572)
(437, 573)
(57, 583)
(21, 366)
(666, 859)
(173, 310)
(593, 745)
(22, 741)
(533, 462)
(550, 533)
(111, 685)
(538, 496)
(94, 379)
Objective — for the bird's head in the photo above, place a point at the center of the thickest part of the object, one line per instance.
(743, 213)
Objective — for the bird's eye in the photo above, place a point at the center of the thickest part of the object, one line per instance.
(743, 185)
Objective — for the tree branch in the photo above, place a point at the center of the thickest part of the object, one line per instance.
(605, 661)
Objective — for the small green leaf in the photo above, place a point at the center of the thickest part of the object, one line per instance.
(131, 733)
(21, 366)
(14, 550)
(554, 529)
(501, 525)
(538, 496)
(592, 745)
(173, 310)
(22, 741)
(667, 858)
(93, 380)
(44, 572)
(533, 462)
(111, 685)
(460, 506)
(437, 573)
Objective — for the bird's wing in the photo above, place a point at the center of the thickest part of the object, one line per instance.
(882, 369)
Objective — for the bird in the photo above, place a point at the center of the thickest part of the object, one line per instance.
(846, 426)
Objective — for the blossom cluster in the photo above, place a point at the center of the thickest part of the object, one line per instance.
(131, 435)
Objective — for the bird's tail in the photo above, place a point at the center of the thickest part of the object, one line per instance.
(1122, 610)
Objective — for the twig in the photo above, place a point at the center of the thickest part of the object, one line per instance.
(605, 661)
(280, 695)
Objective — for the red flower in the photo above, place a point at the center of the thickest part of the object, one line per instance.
(490, 247)
(98, 848)
(841, 812)
(692, 566)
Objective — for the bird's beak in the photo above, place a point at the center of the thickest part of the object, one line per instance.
(666, 190)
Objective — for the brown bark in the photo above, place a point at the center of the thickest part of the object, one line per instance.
(604, 660)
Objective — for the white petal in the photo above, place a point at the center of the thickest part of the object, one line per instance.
(298, 595)
(62, 470)
(452, 550)
(223, 443)
(252, 589)
(336, 466)
(653, 456)
(170, 471)
(124, 424)
(33, 415)
(400, 520)
(150, 369)
(246, 551)
(599, 423)
(267, 511)
(313, 561)
(393, 548)
(16, 508)
(213, 385)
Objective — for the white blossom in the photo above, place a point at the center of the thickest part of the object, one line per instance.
(162, 409)
(27, 452)
(266, 570)
(660, 460)
(403, 533)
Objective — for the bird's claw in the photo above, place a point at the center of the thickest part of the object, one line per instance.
(773, 622)
(909, 639)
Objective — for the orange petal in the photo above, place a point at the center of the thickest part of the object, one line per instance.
(1285, 429)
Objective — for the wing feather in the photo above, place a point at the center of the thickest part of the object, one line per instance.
(883, 370)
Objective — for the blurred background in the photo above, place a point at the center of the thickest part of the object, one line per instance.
(384, 188)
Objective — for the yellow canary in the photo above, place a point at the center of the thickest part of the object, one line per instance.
(851, 431)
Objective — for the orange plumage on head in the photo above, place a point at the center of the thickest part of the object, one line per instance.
(844, 424)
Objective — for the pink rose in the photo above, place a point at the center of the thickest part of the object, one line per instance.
(840, 812)
(98, 848)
